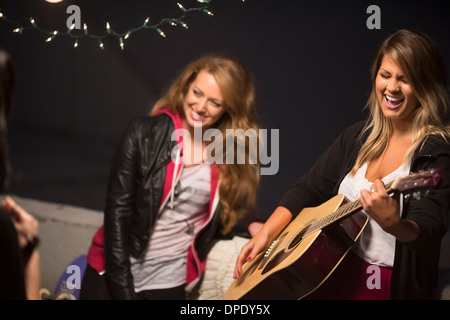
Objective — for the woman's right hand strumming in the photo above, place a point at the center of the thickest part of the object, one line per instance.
(274, 225)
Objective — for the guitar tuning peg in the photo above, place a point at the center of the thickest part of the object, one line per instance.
(417, 195)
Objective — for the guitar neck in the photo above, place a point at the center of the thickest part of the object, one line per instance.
(343, 211)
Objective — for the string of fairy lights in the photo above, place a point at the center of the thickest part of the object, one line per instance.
(76, 34)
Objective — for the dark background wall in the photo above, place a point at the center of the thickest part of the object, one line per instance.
(310, 61)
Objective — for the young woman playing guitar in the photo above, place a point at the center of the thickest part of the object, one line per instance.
(405, 132)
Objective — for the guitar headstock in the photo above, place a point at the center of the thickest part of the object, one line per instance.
(429, 178)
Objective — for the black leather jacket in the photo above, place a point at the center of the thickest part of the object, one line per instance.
(134, 195)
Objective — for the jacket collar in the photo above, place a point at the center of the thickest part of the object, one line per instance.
(175, 116)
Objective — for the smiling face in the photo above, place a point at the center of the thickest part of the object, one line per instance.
(203, 105)
(394, 93)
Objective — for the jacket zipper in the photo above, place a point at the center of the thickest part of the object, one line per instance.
(150, 185)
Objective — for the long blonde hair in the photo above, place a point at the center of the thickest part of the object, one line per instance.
(238, 182)
(421, 61)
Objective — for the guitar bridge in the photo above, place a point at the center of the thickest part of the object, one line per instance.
(269, 252)
(274, 242)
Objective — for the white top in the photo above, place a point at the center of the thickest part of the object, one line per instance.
(164, 264)
(374, 246)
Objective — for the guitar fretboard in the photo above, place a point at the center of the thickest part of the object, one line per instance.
(341, 212)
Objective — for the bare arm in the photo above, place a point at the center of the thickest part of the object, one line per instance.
(27, 228)
(33, 277)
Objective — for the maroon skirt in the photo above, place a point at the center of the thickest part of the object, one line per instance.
(355, 279)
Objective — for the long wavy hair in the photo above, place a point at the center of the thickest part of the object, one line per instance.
(422, 64)
(238, 182)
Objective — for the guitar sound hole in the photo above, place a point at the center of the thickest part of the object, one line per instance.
(299, 237)
(281, 255)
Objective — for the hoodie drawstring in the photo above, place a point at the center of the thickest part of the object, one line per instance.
(175, 171)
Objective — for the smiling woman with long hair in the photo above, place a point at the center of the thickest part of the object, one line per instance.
(424, 73)
(405, 132)
(238, 182)
(163, 207)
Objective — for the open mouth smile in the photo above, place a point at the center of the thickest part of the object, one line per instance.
(196, 117)
(393, 102)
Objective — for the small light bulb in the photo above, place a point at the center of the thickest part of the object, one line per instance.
(208, 12)
(161, 33)
(146, 22)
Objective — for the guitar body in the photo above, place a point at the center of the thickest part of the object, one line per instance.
(299, 262)
(312, 246)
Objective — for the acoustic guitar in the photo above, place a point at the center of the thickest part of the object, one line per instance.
(311, 247)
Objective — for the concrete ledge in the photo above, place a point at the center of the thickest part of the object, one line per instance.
(65, 233)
